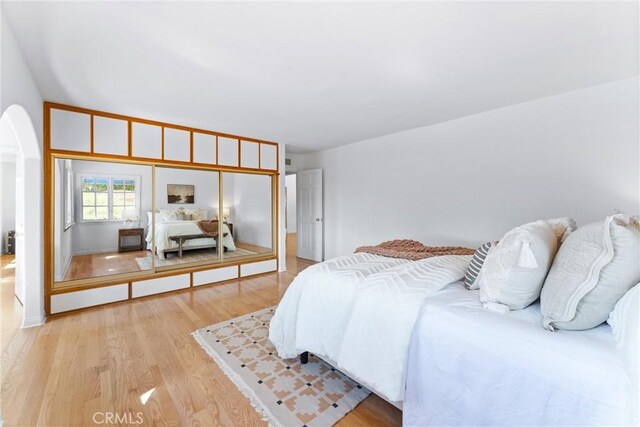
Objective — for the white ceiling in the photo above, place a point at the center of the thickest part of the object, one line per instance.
(319, 75)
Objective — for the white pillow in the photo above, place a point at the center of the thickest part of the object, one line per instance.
(515, 268)
(197, 214)
(625, 324)
(167, 215)
(594, 268)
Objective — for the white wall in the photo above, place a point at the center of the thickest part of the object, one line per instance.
(8, 201)
(252, 210)
(290, 181)
(205, 188)
(469, 180)
(96, 237)
(17, 86)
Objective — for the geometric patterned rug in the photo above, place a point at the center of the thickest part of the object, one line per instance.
(284, 391)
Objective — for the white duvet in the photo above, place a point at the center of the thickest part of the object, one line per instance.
(165, 230)
(358, 311)
(472, 366)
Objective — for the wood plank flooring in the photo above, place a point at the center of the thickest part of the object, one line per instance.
(10, 307)
(108, 263)
(103, 264)
(139, 356)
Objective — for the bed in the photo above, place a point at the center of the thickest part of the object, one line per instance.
(167, 229)
(472, 366)
(357, 313)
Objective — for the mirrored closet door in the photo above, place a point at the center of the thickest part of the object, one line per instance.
(99, 226)
(249, 214)
(187, 229)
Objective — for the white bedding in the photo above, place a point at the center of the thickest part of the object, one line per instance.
(164, 230)
(471, 366)
(358, 311)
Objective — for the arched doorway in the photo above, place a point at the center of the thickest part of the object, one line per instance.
(17, 128)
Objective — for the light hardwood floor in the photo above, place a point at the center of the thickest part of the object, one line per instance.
(94, 265)
(10, 307)
(106, 358)
(105, 264)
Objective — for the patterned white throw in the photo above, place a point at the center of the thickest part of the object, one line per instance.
(283, 391)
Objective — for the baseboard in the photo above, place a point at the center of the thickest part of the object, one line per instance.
(30, 322)
(101, 251)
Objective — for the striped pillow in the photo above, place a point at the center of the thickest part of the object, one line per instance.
(476, 265)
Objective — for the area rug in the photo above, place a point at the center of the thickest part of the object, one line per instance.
(197, 256)
(284, 391)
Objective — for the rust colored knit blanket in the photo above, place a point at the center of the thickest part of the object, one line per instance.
(210, 228)
(412, 250)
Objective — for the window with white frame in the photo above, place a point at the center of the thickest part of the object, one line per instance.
(109, 198)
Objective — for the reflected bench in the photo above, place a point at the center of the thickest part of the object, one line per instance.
(186, 237)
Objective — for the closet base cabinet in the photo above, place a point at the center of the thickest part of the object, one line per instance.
(159, 286)
(89, 298)
(215, 275)
(251, 269)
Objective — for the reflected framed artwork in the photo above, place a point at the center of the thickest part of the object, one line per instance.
(180, 194)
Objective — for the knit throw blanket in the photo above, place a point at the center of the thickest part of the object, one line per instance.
(210, 228)
(412, 250)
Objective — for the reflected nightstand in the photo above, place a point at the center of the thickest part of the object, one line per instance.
(130, 239)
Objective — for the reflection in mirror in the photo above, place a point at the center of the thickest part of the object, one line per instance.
(249, 213)
(98, 229)
(187, 230)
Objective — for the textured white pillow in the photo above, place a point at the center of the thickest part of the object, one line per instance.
(594, 268)
(167, 215)
(625, 324)
(197, 214)
(515, 268)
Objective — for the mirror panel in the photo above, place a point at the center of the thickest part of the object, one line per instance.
(186, 228)
(248, 204)
(98, 226)
(146, 141)
(110, 136)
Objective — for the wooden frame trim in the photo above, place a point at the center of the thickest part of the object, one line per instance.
(48, 210)
(91, 141)
(159, 294)
(162, 139)
(130, 138)
(48, 104)
(191, 147)
(159, 275)
(217, 152)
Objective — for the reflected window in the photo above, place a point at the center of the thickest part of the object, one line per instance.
(109, 198)
(108, 235)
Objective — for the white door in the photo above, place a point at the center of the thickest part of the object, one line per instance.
(309, 214)
(19, 243)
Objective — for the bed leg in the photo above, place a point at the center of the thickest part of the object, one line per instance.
(304, 358)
